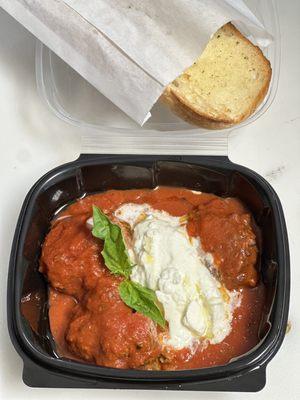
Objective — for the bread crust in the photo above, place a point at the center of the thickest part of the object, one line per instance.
(191, 114)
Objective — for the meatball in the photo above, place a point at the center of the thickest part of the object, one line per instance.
(71, 257)
(226, 231)
(105, 331)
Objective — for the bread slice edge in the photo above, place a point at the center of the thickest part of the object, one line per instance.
(191, 114)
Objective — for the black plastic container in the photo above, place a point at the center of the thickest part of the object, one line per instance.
(95, 173)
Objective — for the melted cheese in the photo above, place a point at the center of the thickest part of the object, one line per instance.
(170, 262)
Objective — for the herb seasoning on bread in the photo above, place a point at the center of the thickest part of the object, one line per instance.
(224, 86)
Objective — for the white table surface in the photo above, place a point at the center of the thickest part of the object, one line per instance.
(32, 141)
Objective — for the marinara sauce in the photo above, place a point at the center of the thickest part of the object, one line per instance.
(89, 321)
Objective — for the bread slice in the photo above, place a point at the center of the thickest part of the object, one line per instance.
(224, 86)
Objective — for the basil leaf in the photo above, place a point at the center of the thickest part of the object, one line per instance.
(114, 250)
(117, 261)
(142, 300)
(100, 224)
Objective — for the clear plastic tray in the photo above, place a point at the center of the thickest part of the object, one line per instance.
(75, 101)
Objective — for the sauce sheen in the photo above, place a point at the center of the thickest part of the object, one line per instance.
(89, 321)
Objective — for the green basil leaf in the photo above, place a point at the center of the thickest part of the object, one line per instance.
(117, 261)
(100, 224)
(142, 300)
(114, 250)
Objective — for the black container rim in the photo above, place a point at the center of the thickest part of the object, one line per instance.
(259, 357)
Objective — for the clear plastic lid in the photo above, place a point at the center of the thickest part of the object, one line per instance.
(106, 129)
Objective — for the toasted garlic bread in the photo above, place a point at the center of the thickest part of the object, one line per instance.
(224, 86)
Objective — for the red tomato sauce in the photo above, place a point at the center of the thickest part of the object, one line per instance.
(90, 322)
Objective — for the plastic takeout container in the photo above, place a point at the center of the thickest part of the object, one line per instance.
(75, 101)
(105, 129)
(94, 173)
